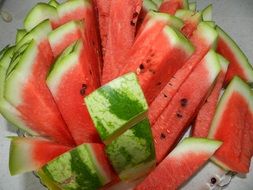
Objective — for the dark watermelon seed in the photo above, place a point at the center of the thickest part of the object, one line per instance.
(84, 86)
(213, 180)
(170, 84)
(179, 115)
(183, 102)
(135, 14)
(83, 89)
(132, 23)
(162, 136)
(159, 83)
(141, 66)
(165, 95)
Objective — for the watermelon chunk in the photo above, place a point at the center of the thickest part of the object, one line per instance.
(132, 154)
(155, 65)
(239, 63)
(182, 163)
(117, 106)
(205, 115)
(69, 82)
(86, 166)
(232, 124)
(30, 154)
(120, 36)
(177, 116)
(203, 39)
(20, 34)
(171, 6)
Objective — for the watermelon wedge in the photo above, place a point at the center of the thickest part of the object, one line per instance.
(117, 106)
(20, 34)
(54, 3)
(205, 115)
(69, 82)
(203, 39)
(135, 161)
(182, 163)
(171, 6)
(232, 124)
(155, 65)
(193, 6)
(120, 36)
(32, 97)
(207, 13)
(239, 63)
(30, 154)
(86, 166)
(180, 112)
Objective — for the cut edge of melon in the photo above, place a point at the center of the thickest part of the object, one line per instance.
(193, 6)
(54, 3)
(20, 34)
(207, 13)
(177, 39)
(39, 13)
(236, 85)
(220, 164)
(240, 56)
(70, 6)
(223, 62)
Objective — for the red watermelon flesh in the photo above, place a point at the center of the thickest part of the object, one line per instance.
(239, 63)
(203, 39)
(30, 154)
(120, 36)
(171, 6)
(179, 113)
(182, 163)
(205, 115)
(155, 65)
(69, 82)
(232, 124)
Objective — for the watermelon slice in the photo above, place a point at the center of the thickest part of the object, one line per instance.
(30, 154)
(46, 181)
(54, 3)
(232, 124)
(117, 106)
(20, 34)
(120, 36)
(69, 82)
(86, 166)
(32, 97)
(177, 116)
(156, 64)
(205, 115)
(207, 13)
(132, 154)
(239, 63)
(171, 6)
(203, 39)
(182, 163)
(193, 6)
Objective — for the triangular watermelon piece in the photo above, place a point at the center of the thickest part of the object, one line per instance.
(239, 63)
(177, 116)
(182, 163)
(203, 39)
(30, 154)
(69, 82)
(171, 6)
(205, 114)
(232, 124)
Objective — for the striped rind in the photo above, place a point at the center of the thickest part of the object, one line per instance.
(236, 85)
(193, 6)
(194, 145)
(54, 3)
(132, 154)
(39, 13)
(75, 169)
(46, 181)
(238, 53)
(20, 34)
(117, 106)
(207, 13)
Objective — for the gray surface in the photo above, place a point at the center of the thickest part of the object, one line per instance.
(235, 16)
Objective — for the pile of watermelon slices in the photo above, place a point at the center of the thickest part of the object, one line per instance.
(105, 91)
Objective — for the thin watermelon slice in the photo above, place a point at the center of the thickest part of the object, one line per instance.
(232, 124)
(155, 65)
(120, 36)
(207, 13)
(117, 106)
(177, 116)
(171, 6)
(203, 39)
(205, 115)
(182, 163)
(30, 154)
(193, 6)
(132, 154)
(69, 82)
(20, 34)
(86, 166)
(239, 63)
(32, 97)
(54, 3)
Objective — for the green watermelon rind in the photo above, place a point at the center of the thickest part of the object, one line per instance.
(185, 4)
(117, 106)
(20, 34)
(224, 63)
(238, 53)
(157, 2)
(6, 109)
(63, 170)
(39, 13)
(46, 181)
(193, 6)
(149, 5)
(211, 23)
(135, 161)
(188, 15)
(54, 3)
(236, 85)
(207, 13)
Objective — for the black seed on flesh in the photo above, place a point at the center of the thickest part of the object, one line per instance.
(165, 95)
(135, 14)
(132, 23)
(179, 115)
(141, 66)
(162, 136)
(159, 83)
(183, 102)
(213, 180)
